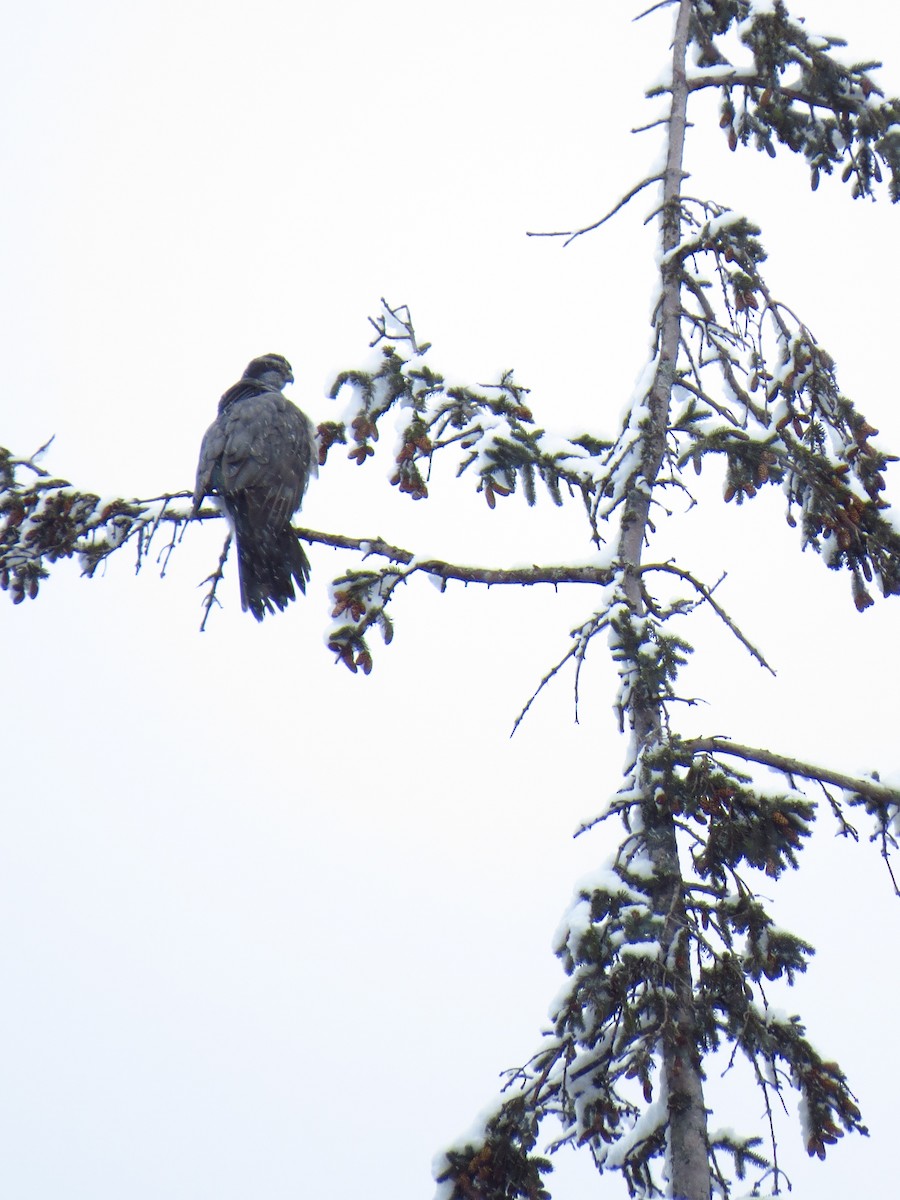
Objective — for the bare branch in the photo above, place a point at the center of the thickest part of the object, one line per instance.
(570, 653)
(653, 8)
(214, 580)
(720, 612)
(846, 829)
(570, 235)
(577, 652)
(523, 576)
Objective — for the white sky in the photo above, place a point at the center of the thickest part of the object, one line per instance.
(267, 929)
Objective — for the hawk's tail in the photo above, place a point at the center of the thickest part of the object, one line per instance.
(269, 562)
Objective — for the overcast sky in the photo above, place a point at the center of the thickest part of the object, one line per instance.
(267, 929)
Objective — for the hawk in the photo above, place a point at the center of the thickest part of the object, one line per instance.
(257, 458)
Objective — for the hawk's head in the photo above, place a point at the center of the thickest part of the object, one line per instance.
(271, 369)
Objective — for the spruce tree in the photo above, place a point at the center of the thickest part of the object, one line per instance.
(668, 949)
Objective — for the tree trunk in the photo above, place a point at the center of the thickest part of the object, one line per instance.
(688, 1144)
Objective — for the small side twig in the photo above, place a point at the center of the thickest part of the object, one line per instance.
(571, 234)
(846, 829)
(577, 652)
(540, 687)
(214, 579)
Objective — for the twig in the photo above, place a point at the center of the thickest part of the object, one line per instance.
(215, 579)
(577, 651)
(30, 463)
(540, 687)
(720, 612)
(885, 854)
(382, 332)
(570, 235)
(653, 8)
(847, 830)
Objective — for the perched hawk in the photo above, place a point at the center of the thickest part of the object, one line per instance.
(257, 457)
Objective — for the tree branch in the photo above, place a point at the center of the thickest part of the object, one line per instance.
(749, 80)
(523, 576)
(720, 612)
(688, 750)
(571, 234)
(214, 580)
(83, 524)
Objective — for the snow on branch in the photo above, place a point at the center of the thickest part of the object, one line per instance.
(44, 519)
(798, 93)
(756, 387)
(490, 426)
(871, 788)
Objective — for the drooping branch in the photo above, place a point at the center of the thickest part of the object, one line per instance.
(799, 93)
(720, 612)
(582, 636)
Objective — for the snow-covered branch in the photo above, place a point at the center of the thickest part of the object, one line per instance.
(789, 766)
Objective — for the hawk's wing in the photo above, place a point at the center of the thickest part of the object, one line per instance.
(260, 446)
(208, 471)
(267, 456)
